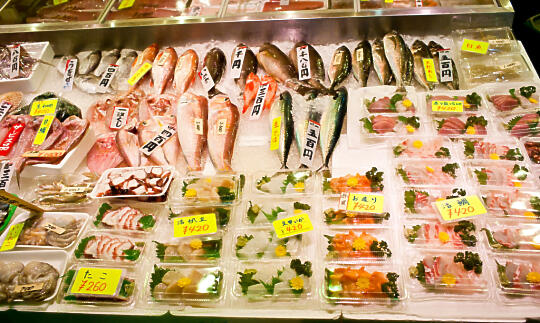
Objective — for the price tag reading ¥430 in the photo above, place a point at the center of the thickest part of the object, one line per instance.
(195, 225)
(358, 202)
(97, 281)
(475, 46)
(292, 226)
(446, 106)
(460, 207)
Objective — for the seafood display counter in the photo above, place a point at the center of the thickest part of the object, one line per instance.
(359, 165)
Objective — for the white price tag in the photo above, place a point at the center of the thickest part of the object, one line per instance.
(6, 172)
(310, 146)
(4, 108)
(445, 65)
(198, 123)
(419, 4)
(15, 59)
(106, 78)
(222, 126)
(69, 74)
(165, 134)
(238, 61)
(206, 79)
(54, 228)
(258, 104)
(283, 2)
(119, 117)
(304, 68)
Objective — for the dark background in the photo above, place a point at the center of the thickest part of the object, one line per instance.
(526, 9)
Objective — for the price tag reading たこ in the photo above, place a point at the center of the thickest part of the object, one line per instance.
(358, 202)
(458, 208)
(291, 226)
(97, 281)
(195, 225)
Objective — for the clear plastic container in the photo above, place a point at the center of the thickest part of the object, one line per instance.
(284, 182)
(354, 245)
(500, 68)
(426, 172)
(190, 284)
(52, 230)
(496, 173)
(390, 125)
(282, 281)
(419, 202)
(164, 9)
(262, 211)
(489, 148)
(340, 4)
(129, 217)
(456, 3)
(443, 275)
(422, 147)
(362, 285)
(18, 12)
(223, 212)
(462, 126)
(521, 125)
(263, 243)
(61, 192)
(512, 202)
(201, 248)
(335, 217)
(410, 3)
(390, 101)
(501, 40)
(105, 247)
(206, 190)
(347, 181)
(437, 235)
(236, 7)
(511, 235)
(471, 101)
(532, 147)
(504, 99)
(371, 4)
(517, 279)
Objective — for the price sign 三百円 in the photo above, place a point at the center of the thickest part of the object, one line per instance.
(359, 202)
(446, 106)
(195, 225)
(292, 226)
(475, 46)
(139, 73)
(310, 145)
(458, 208)
(97, 281)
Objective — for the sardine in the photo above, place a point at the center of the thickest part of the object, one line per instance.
(192, 128)
(380, 63)
(171, 147)
(163, 69)
(147, 130)
(89, 62)
(110, 58)
(331, 124)
(340, 67)
(316, 65)
(282, 109)
(399, 58)
(249, 65)
(434, 48)
(147, 56)
(276, 64)
(185, 71)
(361, 62)
(223, 118)
(215, 61)
(128, 145)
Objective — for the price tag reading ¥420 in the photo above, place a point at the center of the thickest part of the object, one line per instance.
(97, 281)
(358, 202)
(460, 207)
(195, 225)
(292, 226)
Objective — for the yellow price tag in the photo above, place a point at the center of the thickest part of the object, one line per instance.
(475, 46)
(388, 1)
(43, 107)
(97, 281)
(126, 4)
(54, 153)
(43, 129)
(460, 207)
(429, 68)
(139, 74)
(57, 2)
(195, 225)
(359, 202)
(12, 236)
(446, 106)
(276, 133)
(292, 226)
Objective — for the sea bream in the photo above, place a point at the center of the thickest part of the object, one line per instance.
(420, 52)
(171, 147)
(331, 125)
(361, 62)
(185, 71)
(104, 154)
(340, 66)
(215, 62)
(380, 63)
(249, 65)
(316, 65)
(399, 58)
(192, 128)
(128, 146)
(282, 110)
(147, 130)
(147, 56)
(163, 69)
(223, 118)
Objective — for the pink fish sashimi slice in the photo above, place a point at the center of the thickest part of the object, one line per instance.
(223, 118)
(504, 102)
(380, 106)
(104, 154)
(190, 110)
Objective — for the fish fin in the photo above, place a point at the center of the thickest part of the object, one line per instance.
(213, 92)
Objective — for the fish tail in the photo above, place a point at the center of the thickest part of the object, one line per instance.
(284, 166)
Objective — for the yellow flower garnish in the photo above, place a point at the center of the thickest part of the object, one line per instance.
(183, 282)
(352, 181)
(195, 244)
(529, 214)
(532, 100)
(429, 169)
(296, 283)
(470, 130)
(418, 144)
(299, 187)
(494, 156)
(362, 283)
(443, 237)
(359, 244)
(351, 214)
(466, 105)
(410, 128)
(209, 180)
(407, 103)
(448, 280)
(281, 251)
(191, 193)
(517, 184)
(533, 277)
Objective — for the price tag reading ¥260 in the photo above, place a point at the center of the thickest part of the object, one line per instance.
(97, 281)
(475, 46)
(460, 207)
(292, 226)
(358, 202)
(43, 107)
(12, 236)
(446, 106)
(276, 133)
(139, 73)
(195, 225)
(429, 68)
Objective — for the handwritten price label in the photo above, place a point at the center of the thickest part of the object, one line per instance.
(461, 207)
(357, 202)
(292, 226)
(475, 46)
(12, 237)
(195, 225)
(43, 107)
(429, 68)
(276, 132)
(28, 288)
(97, 281)
(126, 4)
(139, 74)
(446, 106)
